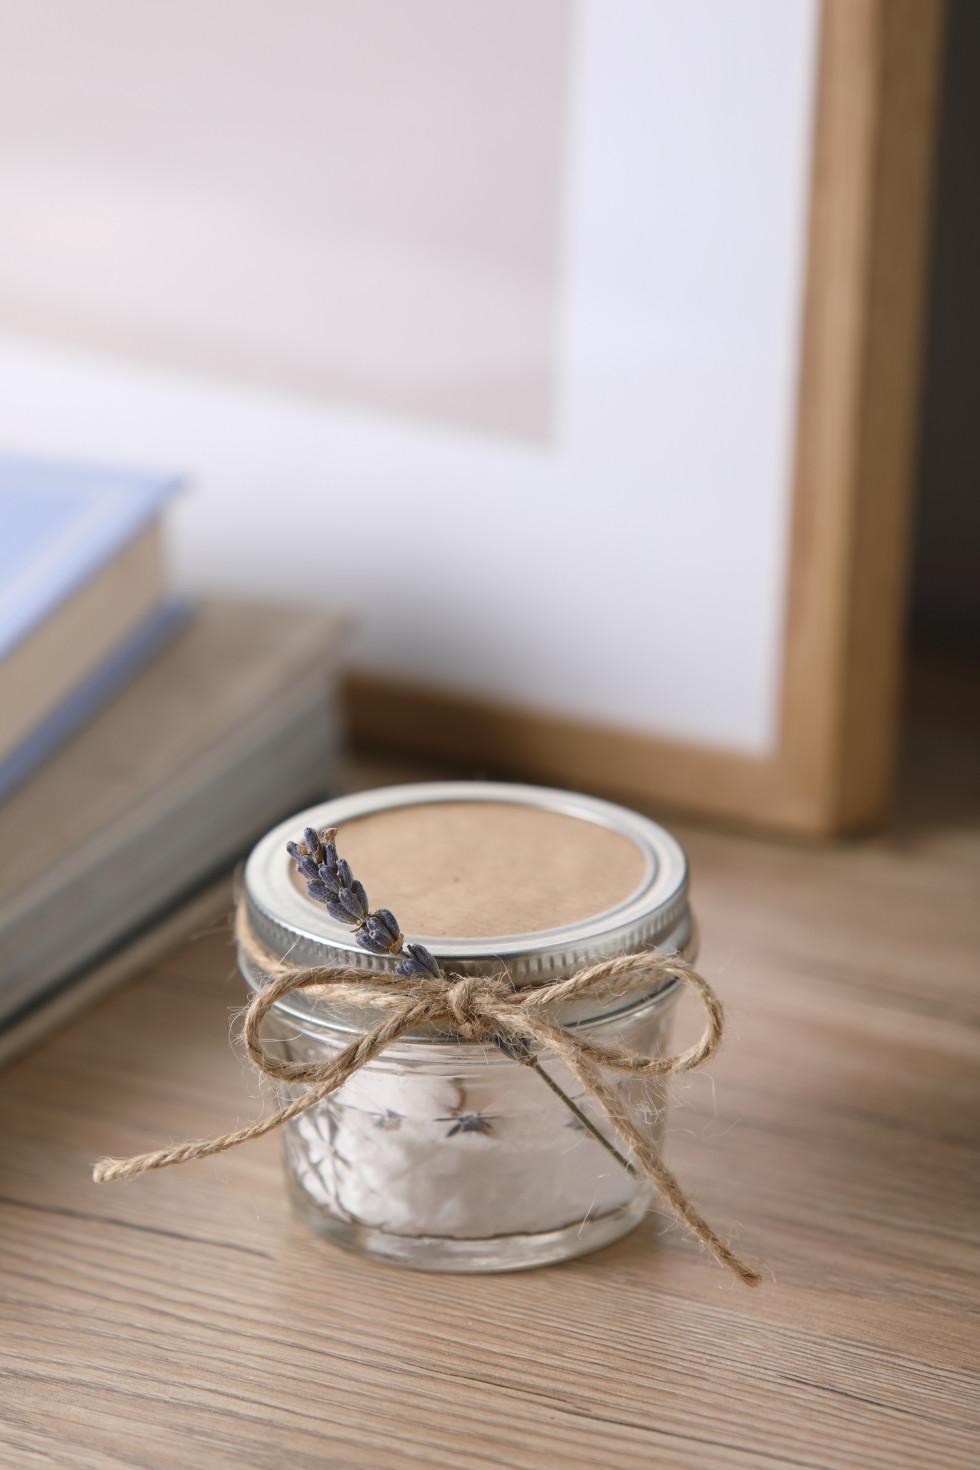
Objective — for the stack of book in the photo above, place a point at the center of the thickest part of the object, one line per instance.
(83, 598)
(169, 775)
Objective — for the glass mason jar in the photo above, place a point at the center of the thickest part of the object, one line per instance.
(447, 1155)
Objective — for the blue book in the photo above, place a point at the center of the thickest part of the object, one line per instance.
(83, 598)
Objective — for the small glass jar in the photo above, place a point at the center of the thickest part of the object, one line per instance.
(451, 1156)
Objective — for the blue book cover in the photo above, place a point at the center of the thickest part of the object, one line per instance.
(59, 525)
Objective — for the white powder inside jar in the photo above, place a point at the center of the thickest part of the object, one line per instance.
(464, 1156)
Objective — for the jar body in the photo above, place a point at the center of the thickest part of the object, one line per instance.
(455, 1157)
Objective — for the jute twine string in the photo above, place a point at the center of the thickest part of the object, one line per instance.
(470, 1008)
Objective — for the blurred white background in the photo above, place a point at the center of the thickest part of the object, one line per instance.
(479, 319)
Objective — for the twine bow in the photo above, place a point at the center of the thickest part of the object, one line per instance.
(470, 1008)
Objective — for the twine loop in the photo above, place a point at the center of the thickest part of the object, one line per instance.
(470, 1008)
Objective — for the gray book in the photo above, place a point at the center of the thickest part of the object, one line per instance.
(225, 733)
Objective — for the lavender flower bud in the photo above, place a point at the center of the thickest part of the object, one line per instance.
(313, 843)
(296, 850)
(426, 959)
(409, 969)
(351, 904)
(389, 923)
(383, 933)
(330, 858)
(372, 941)
(345, 877)
(318, 889)
(418, 962)
(325, 875)
(308, 867)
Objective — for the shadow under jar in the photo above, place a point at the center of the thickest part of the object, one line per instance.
(445, 1155)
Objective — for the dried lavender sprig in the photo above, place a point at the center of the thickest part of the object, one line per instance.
(577, 1112)
(331, 882)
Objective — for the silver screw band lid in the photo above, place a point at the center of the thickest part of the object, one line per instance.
(656, 914)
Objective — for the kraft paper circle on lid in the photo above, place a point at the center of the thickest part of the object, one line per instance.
(485, 875)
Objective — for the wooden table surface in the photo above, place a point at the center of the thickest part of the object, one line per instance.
(186, 1320)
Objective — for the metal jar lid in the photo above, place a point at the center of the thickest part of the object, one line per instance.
(656, 914)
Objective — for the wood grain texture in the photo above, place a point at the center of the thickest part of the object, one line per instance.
(186, 1321)
(833, 766)
(857, 423)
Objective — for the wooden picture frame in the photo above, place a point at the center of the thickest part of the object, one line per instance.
(832, 768)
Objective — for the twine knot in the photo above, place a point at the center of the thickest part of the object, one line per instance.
(466, 1003)
(475, 1008)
